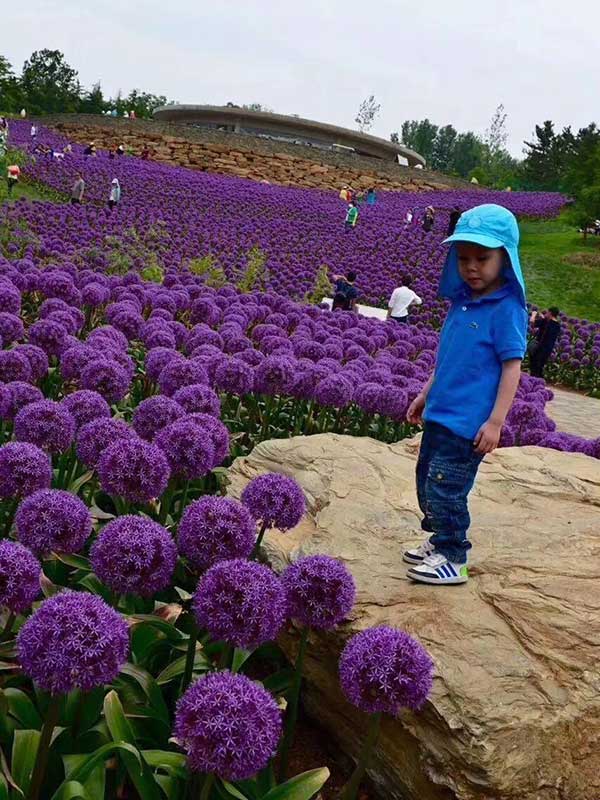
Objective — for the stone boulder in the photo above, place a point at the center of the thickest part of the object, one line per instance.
(515, 709)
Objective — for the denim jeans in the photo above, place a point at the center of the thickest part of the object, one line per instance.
(446, 472)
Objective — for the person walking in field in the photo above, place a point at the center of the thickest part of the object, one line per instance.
(346, 293)
(547, 329)
(453, 221)
(115, 194)
(351, 217)
(466, 400)
(77, 191)
(400, 302)
(429, 219)
(13, 174)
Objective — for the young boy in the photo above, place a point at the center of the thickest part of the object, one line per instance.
(466, 400)
(351, 217)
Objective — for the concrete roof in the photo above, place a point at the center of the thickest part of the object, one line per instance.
(282, 124)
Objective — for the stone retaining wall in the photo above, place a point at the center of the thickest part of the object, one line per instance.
(246, 156)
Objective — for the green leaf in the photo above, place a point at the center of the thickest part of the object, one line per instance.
(280, 681)
(95, 585)
(173, 763)
(177, 667)
(302, 787)
(73, 790)
(232, 791)
(150, 689)
(83, 771)
(24, 751)
(98, 514)
(162, 625)
(79, 562)
(239, 658)
(3, 788)
(121, 730)
(94, 785)
(22, 709)
(81, 481)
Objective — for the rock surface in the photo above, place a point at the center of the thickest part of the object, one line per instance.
(515, 710)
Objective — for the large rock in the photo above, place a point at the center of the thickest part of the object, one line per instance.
(515, 709)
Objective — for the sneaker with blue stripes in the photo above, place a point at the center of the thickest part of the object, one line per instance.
(437, 570)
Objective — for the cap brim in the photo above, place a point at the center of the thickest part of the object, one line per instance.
(474, 238)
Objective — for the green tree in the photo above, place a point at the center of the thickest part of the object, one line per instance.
(257, 107)
(546, 158)
(420, 136)
(93, 102)
(395, 137)
(367, 111)
(143, 103)
(466, 154)
(49, 84)
(10, 88)
(443, 148)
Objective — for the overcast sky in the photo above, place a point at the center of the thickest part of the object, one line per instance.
(453, 61)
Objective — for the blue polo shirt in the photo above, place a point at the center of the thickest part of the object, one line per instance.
(477, 337)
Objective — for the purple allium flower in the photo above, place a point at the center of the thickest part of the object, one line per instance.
(14, 366)
(227, 725)
(94, 295)
(52, 520)
(21, 394)
(240, 602)
(334, 391)
(20, 573)
(11, 327)
(274, 375)
(10, 298)
(94, 437)
(67, 320)
(107, 378)
(155, 413)
(38, 360)
(320, 591)
(188, 448)
(50, 335)
(198, 398)
(218, 432)
(85, 406)
(234, 376)
(276, 500)
(215, 529)
(177, 374)
(385, 670)
(133, 469)
(134, 555)
(46, 424)
(158, 358)
(108, 338)
(73, 641)
(74, 360)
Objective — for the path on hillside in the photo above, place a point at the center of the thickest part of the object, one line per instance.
(575, 413)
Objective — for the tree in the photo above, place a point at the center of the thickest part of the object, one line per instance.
(443, 148)
(420, 135)
(498, 167)
(546, 158)
(258, 107)
(466, 154)
(395, 137)
(10, 89)
(143, 103)
(93, 102)
(367, 111)
(496, 135)
(49, 84)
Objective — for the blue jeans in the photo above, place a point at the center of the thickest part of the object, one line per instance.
(446, 472)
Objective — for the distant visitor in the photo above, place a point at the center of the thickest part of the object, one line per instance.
(77, 191)
(115, 194)
(12, 177)
(454, 217)
(547, 329)
(400, 302)
(351, 217)
(346, 293)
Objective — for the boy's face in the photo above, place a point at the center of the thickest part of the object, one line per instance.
(480, 267)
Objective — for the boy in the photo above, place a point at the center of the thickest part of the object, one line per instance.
(547, 330)
(346, 293)
(351, 217)
(466, 400)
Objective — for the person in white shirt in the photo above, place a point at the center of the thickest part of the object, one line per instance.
(401, 300)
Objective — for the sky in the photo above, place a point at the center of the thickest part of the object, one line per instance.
(453, 61)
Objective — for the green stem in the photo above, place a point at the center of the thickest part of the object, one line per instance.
(165, 504)
(292, 711)
(261, 536)
(7, 630)
(190, 657)
(350, 790)
(10, 515)
(207, 786)
(41, 759)
(225, 659)
(184, 497)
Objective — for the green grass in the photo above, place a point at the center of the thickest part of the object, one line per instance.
(552, 279)
(29, 191)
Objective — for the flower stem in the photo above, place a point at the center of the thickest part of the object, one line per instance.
(350, 790)
(7, 630)
(190, 657)
(292, 711)
(207, 786)
(261, 536)
(10, 515)
(41, 759)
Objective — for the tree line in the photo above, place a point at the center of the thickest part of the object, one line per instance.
(49, 85)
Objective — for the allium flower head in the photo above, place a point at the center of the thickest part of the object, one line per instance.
(53, 520)
(335, 391)
(73, 641)
(11, 327)
(50, 335)
(215, 529)
(158, 358)
(133, 469)
(198, 398)
(320, 591)
(20, 573)
(86, 405)
(276, 500)
(155, 413)
(274, 375)
(14, 366)
(234, 376)
(384, 669)
(21, 394)
(218, 432)
(240, 602)
(46, 424)
(188, 448)
(228, 725)
(134, 555)
(94, 437)
(177, 374)
(107, 378)
(38, 360)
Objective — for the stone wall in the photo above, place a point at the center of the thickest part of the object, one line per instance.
(246, 156)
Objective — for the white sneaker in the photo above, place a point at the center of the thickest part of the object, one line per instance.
(436, 569)
(418, 554)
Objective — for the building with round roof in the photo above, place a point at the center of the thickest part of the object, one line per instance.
(289, 129)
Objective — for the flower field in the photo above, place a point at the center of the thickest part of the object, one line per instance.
(142, 350)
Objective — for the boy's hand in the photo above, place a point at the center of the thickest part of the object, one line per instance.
(487, 437)
(415, 411)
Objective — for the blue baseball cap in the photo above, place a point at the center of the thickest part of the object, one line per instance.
(491, 226)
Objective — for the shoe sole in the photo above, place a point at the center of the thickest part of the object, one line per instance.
(436, 581)
(411, 559)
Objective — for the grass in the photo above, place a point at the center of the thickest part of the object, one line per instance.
(560, 269)
(27, 190)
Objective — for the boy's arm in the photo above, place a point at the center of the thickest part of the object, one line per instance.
(488, 435)
(414, 415)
